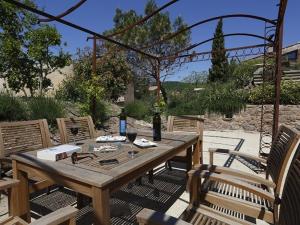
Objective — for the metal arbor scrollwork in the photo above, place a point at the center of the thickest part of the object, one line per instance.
(276, 44)
(266, 119)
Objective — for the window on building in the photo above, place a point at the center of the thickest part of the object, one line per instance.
(291, 56)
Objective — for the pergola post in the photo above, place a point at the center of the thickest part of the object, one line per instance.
(278, 64)
(94, 71)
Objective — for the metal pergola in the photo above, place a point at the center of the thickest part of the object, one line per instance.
(272, 40)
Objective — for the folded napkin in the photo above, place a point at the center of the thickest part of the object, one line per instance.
(110, 138)
(144, 143)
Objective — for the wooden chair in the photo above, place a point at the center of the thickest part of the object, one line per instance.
(85, 124)
(62, 216)
(188, 123)
(23, 136)
(286, 214)
(282, 151)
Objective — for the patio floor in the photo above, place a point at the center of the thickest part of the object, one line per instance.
(172, 198)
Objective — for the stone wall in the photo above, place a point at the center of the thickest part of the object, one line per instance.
(249, 119)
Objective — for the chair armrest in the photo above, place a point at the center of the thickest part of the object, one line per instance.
(236, 153)
(148, 216)
(8, 183)
(60, 216)
(248, 177)
(231, 180)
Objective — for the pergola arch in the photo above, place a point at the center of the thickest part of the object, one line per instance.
(176, 54)
(170, 36)
(65, 13)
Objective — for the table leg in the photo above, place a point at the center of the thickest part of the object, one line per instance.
(101, 206)
(197, 153)
(189, 156)
(20, 195)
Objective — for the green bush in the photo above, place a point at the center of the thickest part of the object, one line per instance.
(101, 111)
(289, 94)
(224, 99)
(46, 108)
(11, 108)
(214, 98)
(138, 110)
(186, 102)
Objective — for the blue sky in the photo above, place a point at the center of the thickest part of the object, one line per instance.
(97, 15)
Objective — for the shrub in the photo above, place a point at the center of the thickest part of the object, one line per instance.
(186, 102)
(101, 111)
(11, 108)
(214, 98)
(289, 93)
(138, 110)
(45, 108)
(224, 99)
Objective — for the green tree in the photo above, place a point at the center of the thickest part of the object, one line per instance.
(112, 76)
(243, 72)
(40, 48)
(27, 56)
(219, 70)
(14, 23)
(141, 36)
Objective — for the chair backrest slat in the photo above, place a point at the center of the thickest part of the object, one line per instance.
(290, 202)
(23, 136)
(187, 123)
(282, 149)
(85, 124)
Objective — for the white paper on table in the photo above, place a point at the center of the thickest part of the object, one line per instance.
(57, 152)
(144, 143)
(105, 148)
(110, 138)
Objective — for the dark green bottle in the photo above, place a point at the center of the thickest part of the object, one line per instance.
(156, 126)
(122, 123)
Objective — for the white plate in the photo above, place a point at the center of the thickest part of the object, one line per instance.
(110, 138)
(144, 143)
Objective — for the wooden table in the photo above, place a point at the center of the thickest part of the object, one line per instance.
(89, 178)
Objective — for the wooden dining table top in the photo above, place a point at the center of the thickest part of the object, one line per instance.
(90, 171)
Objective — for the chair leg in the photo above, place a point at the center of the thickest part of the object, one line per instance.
(150, 177)
(138, 181)
(82, 200)
(168, 165)
(189, 159)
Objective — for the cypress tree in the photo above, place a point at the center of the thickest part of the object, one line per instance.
(219, 69)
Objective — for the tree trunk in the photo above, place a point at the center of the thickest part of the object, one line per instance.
(41, 80)
(24, 92)
(164, 93)
(93, 108)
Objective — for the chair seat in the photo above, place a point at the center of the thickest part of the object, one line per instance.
(201, 218)
(229, 190)
(212, 215)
